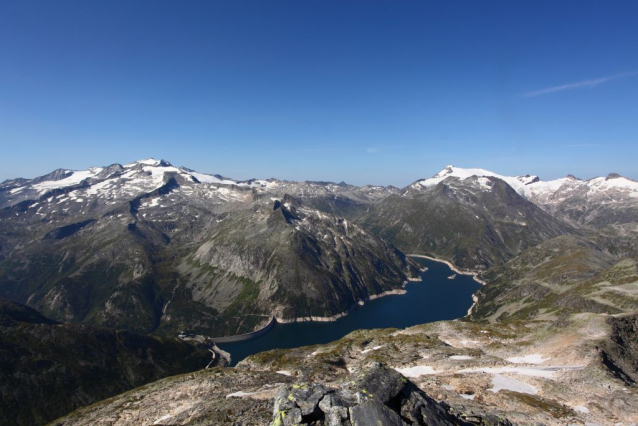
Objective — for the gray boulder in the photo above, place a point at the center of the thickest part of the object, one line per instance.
(376, 395)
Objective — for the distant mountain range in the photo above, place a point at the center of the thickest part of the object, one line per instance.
(150, 247)
(592, 203)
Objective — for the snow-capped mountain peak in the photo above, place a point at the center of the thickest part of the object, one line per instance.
(118, 183)
(462, 173)
(447, 171)
(74, 190)
(528, 179)
(542, 192)
(73, 177)
(149, 162)
(518, 183)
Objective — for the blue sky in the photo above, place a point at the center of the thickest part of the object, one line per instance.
(379, 92)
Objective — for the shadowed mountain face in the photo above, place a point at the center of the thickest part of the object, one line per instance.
(476, 223)
(48, 369)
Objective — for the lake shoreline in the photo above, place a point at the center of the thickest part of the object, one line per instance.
(275, 319)
(320, 319)
(349, 311)
(454, 268)
(435, 299)
(473, 273)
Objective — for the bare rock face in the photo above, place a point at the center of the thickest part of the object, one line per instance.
(376, 395)
(620, 352)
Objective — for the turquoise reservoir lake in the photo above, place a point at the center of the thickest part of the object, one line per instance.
(436, 298)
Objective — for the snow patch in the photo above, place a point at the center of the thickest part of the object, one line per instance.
(485, 184)
(153, 203)
(528, 359)
(162, 419)
(545, 372)
(205, 178)
(239, 394)
(75, 178)
(507, 383)
(376, 348)
(416, 371)
(462, 174)
(149, 161)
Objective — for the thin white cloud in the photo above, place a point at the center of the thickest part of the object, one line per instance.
(578, 85)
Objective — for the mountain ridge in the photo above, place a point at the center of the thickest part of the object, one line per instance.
(140, 229)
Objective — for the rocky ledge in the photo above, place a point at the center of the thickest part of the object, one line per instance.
(369, 396)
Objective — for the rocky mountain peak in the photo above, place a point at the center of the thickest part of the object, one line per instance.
(55, 175)
(528, 179)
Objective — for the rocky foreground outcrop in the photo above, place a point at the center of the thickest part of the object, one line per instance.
(536, 372)
(620, 351)
(376, 395)
(371, 395)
